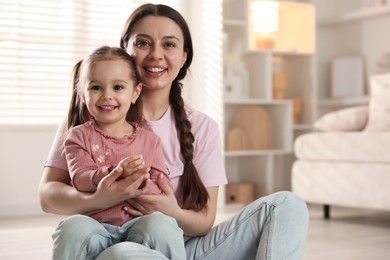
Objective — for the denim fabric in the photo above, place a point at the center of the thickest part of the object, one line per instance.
(131, 250)
(155, 236)
(270, 228)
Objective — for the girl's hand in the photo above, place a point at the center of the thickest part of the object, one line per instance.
(131, 165)
(115, 188)
(165, 202)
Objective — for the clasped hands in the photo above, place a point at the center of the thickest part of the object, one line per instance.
(129, 182)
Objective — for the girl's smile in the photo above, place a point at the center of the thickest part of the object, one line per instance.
(109, 92)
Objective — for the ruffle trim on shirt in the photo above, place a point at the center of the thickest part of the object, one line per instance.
(125, 138)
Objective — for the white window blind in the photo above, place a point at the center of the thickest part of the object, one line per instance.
(40, 40)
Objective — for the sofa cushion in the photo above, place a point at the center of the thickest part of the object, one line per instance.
(344, 146)
(363, 185)
(379, 108)
(348, 119)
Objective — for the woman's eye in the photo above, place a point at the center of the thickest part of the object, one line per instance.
(141, 43)
(170, 44)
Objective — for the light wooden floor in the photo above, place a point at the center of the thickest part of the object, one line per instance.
(349, 234)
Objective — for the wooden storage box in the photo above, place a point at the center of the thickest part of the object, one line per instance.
(242, 193)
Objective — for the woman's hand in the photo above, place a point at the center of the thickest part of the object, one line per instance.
(193, 223)
(165, 202)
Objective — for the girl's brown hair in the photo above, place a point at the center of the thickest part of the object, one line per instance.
(78, 112)
(195, 195)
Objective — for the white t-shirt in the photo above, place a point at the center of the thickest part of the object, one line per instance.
(208, 158)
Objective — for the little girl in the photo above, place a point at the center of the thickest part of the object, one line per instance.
(106, 85)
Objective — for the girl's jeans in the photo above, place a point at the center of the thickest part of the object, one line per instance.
(155, 236)
(270, 228)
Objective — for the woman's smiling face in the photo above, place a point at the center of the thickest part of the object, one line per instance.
(157, 44)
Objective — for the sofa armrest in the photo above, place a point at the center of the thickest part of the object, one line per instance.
(347, 119)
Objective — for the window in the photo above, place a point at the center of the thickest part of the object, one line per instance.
(40, 41)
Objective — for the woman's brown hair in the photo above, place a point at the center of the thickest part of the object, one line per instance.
(195, 195)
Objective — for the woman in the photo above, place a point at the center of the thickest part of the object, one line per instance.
(273, 227)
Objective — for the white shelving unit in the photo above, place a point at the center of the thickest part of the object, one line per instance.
(346, 29)
(344, 102)
(269, 169)
(356, 15)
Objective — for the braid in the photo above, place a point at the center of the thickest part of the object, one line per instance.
(195, 195)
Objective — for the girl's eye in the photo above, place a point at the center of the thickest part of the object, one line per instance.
(95, 87)
(118, 87)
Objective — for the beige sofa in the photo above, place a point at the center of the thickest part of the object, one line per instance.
(346, 162)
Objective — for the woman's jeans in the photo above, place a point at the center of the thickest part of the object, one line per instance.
(154, 236)
(270, 228)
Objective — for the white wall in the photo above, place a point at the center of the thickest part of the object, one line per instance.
(23, 151)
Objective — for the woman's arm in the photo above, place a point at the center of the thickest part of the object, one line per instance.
(58, 196)
(199, 223)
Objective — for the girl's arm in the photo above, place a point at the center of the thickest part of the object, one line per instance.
(57, 196)
(85, 173)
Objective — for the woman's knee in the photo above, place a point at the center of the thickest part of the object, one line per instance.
(284, 205)
(289, 206)
(295, 204)
(284, 199)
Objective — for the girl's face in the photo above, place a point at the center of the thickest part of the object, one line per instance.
(157, 46)
(109, 91)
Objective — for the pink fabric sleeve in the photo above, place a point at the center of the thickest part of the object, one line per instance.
(158, 166)
(84, 172)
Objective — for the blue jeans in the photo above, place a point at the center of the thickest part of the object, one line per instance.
(270, 228)
(155, 236)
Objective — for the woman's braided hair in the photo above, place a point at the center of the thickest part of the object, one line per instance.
(195, 195)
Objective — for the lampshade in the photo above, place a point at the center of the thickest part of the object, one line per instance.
(284, 26)
(265, 16)
(264, 21)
